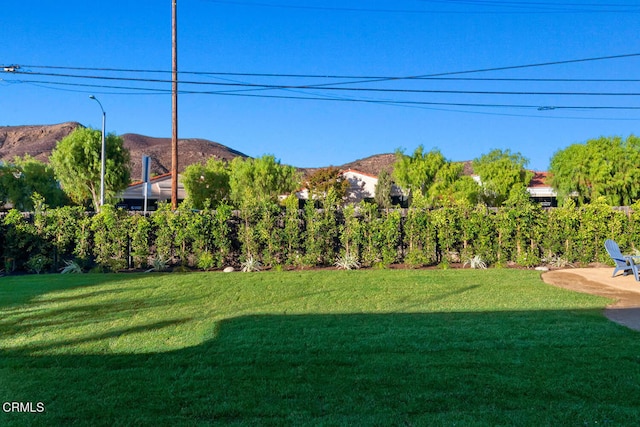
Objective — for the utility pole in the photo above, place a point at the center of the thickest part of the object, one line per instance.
(174, 106)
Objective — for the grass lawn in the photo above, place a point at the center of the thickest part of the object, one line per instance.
(389, 347)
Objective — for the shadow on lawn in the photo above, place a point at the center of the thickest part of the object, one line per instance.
(485, 368)
(74, 316)
(39, 309)
(13, 292)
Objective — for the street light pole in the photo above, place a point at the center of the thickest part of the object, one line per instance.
(103, 154)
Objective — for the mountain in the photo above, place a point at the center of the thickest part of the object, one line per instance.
(159, 150)
(373, 165)
(38, 141)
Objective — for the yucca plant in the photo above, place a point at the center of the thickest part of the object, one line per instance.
(347, 261)
(71, 267)
(475, 262)
(557, 261)
(250, 264)
(158, 264)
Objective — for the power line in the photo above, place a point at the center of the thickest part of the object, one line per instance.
(527, 3)
(525, 7)
(336, 99)
(511, 67)
(243, 87)
(253, 86)
(368, 78)
(443, 108)
(328, 76)
(456, 104)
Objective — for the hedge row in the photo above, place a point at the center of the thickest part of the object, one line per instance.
(284, 236)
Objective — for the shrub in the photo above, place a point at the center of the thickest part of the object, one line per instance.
(221, 234)
(247, 232)
(158, 264)
(37, 263)
(268, 235)
(593, 231)
(561, 227)
(83, 242)
(420, 238)
(479, 234)
(347, 261)
(447, 223)
(206, 261)
(62, 230)
(71, 267)
(250, 264)
(322, 231)
(292, 232)
(111, 239)
(23, 241)
(475, 262)
(351, 232)
(163, 232)
(140, 233)
(185, 229)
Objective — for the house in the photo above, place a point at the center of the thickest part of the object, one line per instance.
(362, 186)
(541, 192)
(158, 190)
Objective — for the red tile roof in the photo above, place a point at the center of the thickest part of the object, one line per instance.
(539, 179)
(155, 178)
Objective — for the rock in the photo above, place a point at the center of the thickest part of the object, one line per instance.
(542, 268)
(229, 269)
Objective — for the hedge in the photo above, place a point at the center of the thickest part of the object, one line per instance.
(287, 237)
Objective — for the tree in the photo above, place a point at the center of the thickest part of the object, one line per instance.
(451, 187)
(417, 172)
(383, 190)
(432, 179)
(607, 166)
(501, 174)
(25, 177)
(261, 179)
(208, 181)
(319, 183)
(76, 162)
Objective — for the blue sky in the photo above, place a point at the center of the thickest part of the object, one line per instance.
(348, 38)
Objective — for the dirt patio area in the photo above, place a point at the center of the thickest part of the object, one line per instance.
(598, 281)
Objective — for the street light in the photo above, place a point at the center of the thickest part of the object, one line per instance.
(103, 153)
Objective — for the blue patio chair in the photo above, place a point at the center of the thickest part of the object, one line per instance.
(624, 263)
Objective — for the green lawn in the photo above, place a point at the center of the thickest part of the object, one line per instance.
(389, 347)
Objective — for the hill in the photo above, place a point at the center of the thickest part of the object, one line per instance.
(373, 165)
(159, 150)
(39, 140)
